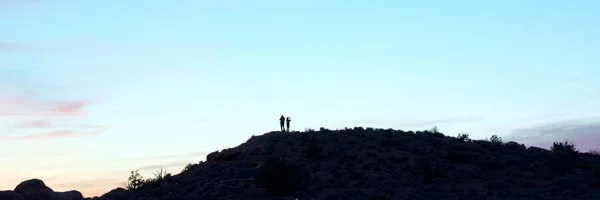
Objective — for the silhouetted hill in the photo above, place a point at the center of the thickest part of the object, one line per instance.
(378, 164)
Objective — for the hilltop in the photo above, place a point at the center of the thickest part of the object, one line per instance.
(367, 163)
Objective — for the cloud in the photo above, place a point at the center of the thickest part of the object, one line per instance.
(584, 133)
(413, 123)
(36, 107)
(166, 165)
(34, 124)
(183, 155)
(58, 134)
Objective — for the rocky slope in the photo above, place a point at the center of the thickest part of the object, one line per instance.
(378, 164)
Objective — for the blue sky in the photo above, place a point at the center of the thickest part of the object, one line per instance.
(92, 89)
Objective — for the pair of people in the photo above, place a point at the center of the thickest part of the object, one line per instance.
(287, 120)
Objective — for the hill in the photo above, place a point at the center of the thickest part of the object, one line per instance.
(371, 163)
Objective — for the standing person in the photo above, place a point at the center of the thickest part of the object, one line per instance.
(288, 123)
(281, 121)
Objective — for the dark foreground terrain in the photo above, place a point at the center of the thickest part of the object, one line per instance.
(366, 164)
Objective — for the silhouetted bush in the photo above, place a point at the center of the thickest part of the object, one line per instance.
(515, 145)
(281, 177)
(359, 128)
(187, 167)
(565, 147)
(536, 150)
(135, 181)
(210, 156)
(225, 155)
(463, 137)
(323, 129)
(434, 129)
(564, 156)
(495, 139)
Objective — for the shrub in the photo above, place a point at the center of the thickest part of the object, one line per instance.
(495, 139)
(210, 156)
(536, 150)
(515, 145)
(463, 137)
(187, 167)
(434, 130)
(565, 147)
(564, 156)
(281, 177)
(135, 181)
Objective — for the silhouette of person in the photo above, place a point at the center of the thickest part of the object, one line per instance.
(288, 123)
(281, 123)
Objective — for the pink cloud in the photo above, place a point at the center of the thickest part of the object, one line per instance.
(59, 134)
(34, 124)
(36, 107)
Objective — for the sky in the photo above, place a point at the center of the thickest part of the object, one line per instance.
(92, 89)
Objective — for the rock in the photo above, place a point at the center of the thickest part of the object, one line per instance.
(69, 195)
(10, 195)
(34, 189)
(118, 193)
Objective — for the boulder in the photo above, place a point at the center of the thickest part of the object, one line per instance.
(118, 193)
(34, 189)
(68, 195)
(11, 195)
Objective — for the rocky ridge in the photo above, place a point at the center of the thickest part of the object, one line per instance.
(366, 163)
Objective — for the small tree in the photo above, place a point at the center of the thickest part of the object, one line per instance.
(463, 137)
(434, 130)
(135, 180)
(160, 174)
(495, 139)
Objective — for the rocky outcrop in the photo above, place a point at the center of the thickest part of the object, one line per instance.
(36, 189)
(11, 195)
(364, 164)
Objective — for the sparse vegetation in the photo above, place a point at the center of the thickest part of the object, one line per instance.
(463, 137)
(137, 181)
(380, 160)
